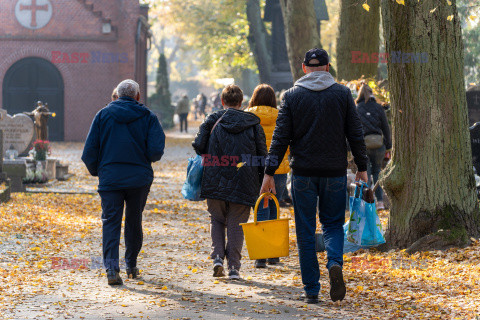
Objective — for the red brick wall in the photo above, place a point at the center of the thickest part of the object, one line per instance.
(74, 27)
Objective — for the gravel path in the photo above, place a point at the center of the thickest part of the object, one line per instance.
(176, 278)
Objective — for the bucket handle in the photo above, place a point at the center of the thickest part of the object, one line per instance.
(263, 195)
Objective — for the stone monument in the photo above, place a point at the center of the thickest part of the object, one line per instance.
(473, 103)
(18, 132)
(475, 140)
(281, 76)
(40, 115)
(4, 181)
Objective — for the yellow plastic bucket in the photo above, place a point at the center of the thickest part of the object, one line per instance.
(266, 239)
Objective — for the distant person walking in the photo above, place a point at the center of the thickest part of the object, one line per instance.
(377, 136)
(202, 104)
(183, 108)
(225, 139)
(264, 105)
(124, 139)
(316, 118)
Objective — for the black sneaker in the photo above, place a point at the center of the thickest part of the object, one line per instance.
(133, 273)
(218, 267)
(273, 261)
(310, 299)
(261, 263)
(114, 278)
(337, 285)
(233, 274)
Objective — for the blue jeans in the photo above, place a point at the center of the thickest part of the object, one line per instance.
(375, 160)
(329, 195)
(270, 212)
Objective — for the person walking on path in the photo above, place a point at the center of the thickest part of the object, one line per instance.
(264, 105)
(124, 139)
(316, 118)
(377, 136)
(183, 108)
(228, 140)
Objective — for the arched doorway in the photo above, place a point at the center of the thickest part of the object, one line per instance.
(35, 79)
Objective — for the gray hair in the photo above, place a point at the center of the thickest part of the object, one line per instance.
(128, 88)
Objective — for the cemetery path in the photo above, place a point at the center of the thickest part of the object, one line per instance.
(50, 248)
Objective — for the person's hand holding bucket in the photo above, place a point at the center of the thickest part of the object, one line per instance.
(268, 186)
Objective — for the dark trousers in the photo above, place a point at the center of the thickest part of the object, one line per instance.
(328, 195)
(375, 160)
(183, 120)
(270, 212)
(113, 203)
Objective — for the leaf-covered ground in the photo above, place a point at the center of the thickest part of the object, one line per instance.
(50, 249)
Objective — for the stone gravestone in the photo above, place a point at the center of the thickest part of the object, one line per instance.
(473, 103)
(4, 181)
(18, 131)
(475, 139)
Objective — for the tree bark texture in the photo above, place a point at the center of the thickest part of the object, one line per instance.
(301, 32)
(358, 39)
(430, 178)
(258, 40)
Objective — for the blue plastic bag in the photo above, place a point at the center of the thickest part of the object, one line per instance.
(193, 184)
(347, 246)
(364, 227)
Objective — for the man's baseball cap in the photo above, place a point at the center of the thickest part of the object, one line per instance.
(316, 54)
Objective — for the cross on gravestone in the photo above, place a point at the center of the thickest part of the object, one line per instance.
(475, 140)
(33, 8)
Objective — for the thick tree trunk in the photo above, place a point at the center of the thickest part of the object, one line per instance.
(258, 40)
(430, 178)
(358, 38)
(301, 31)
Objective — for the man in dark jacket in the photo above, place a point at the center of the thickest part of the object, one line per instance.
(232, 144)
(316, 119)
(124, 139)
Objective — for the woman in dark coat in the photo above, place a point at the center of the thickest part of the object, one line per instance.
(377, 136)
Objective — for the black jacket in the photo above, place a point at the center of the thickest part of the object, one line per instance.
(234, 155)
(316, 119)
(374, 120)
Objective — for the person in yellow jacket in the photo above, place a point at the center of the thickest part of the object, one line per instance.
(264, 105)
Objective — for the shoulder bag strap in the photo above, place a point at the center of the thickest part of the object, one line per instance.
(211, 131)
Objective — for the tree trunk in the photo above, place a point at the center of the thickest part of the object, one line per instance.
(430, 178)
(358, 38)
(258, 40)
(301, 32)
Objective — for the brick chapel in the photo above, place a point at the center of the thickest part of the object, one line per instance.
(70, 54)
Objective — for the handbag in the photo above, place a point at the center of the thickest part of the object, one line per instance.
(373, 141)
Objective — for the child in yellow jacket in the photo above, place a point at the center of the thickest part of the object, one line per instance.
(264, 105)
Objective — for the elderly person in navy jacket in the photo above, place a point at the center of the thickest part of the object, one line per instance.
(124, 139)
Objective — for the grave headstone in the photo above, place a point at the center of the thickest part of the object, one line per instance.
(4, 181)
(473, 103)
(475, 140)
(18, 131)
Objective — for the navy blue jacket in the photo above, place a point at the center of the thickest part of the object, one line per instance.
(124, 139)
